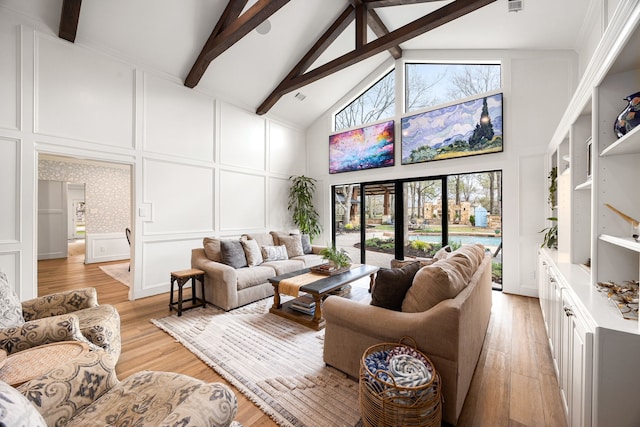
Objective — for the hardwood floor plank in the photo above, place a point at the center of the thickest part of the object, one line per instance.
(526, 405)
(491, 400)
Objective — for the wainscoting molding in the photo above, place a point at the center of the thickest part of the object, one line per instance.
(103, 247)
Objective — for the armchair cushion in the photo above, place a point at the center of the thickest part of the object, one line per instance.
(66, 390)
(10, 307)
(59, 303)
(42, 331)
(87, 392)
(15, 409)
(391, 285)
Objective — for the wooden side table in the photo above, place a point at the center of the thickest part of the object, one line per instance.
(28, 364)
(181, 278)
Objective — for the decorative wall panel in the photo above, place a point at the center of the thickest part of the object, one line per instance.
(279, 216)
(10, 189)
(107, 191)
(160, 259)
(83, 95)
(286, 149)
(242, 201)
(242, 138)
(177, 120)
(9, 75)
(181, 197)
(10, 265)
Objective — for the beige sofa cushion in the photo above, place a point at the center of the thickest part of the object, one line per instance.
(212, 248)
(249, 277)
(263, 239)
(434, 283)
(252, 252)
(293, 244)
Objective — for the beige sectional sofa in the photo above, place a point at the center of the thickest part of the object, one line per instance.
(446, 311)
(228, 286)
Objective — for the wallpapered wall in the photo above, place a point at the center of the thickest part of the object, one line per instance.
(107, 192)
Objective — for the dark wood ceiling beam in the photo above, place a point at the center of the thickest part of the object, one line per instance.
(379, 29)
(420, 26)
(361, 26)
(329, 36)
(385, 3)
(377, 26)
(231, 34)
(69, 18)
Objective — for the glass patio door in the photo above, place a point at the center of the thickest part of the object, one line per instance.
(424, 229)
(379, 219)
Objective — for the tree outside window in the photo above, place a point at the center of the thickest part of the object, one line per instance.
(376, 103)
(428, 85)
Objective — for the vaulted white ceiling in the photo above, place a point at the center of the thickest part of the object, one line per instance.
(168, 35)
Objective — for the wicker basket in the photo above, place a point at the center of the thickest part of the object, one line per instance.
(385, 403)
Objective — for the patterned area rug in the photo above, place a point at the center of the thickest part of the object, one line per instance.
(120, 272)
(275, 362)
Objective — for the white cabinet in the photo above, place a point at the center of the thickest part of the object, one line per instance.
(596, 350)
(570, 340)
(577, 347)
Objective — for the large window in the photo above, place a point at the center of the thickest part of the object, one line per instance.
(376, 103)
(428, 85)
(376, 222)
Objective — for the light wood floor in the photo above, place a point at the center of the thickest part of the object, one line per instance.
(514, 383)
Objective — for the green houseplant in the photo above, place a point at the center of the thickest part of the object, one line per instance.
(303, 213)
(551, 233)
(338, 258)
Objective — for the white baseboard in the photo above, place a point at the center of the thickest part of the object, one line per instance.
(103, 247)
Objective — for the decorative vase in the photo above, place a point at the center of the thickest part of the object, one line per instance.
(629, 117)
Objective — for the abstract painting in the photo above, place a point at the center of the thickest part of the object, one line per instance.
(365, 148)
(464, 129)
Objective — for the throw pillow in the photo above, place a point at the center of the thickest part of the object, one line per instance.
(293, 244)
(232, 253)
(274, 253)
(306, 244)
(16, 410)
(10, 307)
(443, 253)
(252, 252)
(392, 284)
(212, 248)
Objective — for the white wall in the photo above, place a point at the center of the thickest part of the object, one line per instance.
(537, 87)
(200, 166)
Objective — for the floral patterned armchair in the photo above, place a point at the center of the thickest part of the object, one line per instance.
(86, 391)
(65, 316)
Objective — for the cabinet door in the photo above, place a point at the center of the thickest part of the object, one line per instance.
(578, 362)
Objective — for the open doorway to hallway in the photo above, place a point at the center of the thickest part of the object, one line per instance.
(84, 207)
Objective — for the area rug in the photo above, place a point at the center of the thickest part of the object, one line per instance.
(273, 361)
(120, 272)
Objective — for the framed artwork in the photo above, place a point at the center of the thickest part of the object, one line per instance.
(464, 129)
(364, 148)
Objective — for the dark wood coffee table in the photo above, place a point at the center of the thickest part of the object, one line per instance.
(319, 290)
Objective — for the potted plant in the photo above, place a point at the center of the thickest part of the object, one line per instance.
(337, 258)
(551, 233)
(303, 213)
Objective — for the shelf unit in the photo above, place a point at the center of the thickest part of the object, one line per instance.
(595, 168)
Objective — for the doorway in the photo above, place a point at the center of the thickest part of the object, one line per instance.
(98, 200)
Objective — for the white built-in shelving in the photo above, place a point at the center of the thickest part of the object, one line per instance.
(590, 340)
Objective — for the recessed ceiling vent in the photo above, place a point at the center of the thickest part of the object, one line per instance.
(515, 5)
(299, 96)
